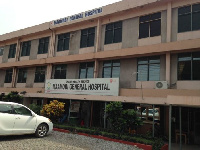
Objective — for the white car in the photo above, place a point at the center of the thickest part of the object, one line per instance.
(150, 113)
(17, 119)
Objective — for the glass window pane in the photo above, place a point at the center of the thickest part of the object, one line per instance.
(196, 8)
(109, 26)
(91, 30)
(107, 63)
(155, 28)
(63, 74)
(82, 74)
(118, 24)
(116, 62)
(143, 60)
(156, 16)
(155, 59)
(184, 57)
(66, 44)
(6, 108)
(117, 35)
(196, 55)
(184, 23)
(142, 72)
(144, 30)
(184, 10)
(84, 32)
(90, 64)
(196, 21)
(60, 45)
(91, 40)
(90, 73)
(115, 72)
(184, 70)
(154, 72)
(83, 41)
(46, 47)
(109, 37)
(145, 18)
(196, 69)
(107, 72)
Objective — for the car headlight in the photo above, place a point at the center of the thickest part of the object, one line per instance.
(49, 120)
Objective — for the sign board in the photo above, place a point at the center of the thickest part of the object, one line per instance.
(97, 86)
(78, 16)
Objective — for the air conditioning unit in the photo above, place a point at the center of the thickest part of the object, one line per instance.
(161, 85)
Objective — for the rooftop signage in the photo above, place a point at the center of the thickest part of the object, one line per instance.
(98, 86)
(78, 16)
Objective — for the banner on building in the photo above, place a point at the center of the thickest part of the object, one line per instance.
(97, 86)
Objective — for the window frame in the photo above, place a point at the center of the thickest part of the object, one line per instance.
(8, 77)
(191, 14)
(85, 34)
(40, 74)
(12, 51)
(191, 65)
(64, 40)
(148, 59)
(114, 30)
(63, 67)
(111, 66)
(152, 19)
(22, 75)
(86, 66)
(26, 47)
(43, 45)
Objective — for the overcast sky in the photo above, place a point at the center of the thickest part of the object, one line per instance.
(19, 14)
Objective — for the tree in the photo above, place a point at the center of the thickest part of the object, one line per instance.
(121, 120)
(13, 96)
(54, 110)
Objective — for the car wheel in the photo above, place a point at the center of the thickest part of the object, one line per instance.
(41, 131)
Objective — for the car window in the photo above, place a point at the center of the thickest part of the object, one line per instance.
(6, 108)
(21, 110)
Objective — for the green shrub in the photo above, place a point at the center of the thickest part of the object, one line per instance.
(35, 108)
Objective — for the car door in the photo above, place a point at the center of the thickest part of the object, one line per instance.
(7, 119)
(25, 122)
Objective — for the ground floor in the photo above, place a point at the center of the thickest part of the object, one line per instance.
(175, 124)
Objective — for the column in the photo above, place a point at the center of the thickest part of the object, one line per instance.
(169, 21)
(49, 71)
(14, 77)
(17, 55)
(98, 37)
(52, 44)
(168, 60)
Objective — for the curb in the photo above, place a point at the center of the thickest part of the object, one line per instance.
(143, 146)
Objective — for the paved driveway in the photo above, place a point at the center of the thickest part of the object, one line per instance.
(59, 141)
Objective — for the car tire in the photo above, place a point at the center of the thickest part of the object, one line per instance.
(41, 131)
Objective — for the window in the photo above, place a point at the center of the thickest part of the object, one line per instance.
(6, 108)
(148, 68)
(63, 42)
(20, 110)
(60, 72)
(86, 70)
(43, 45)
(87, 37)
(12, 51)
(113, 33)
(189, 66)
(188, 18)
(40, 74)
(8, 77)
(26, 46)
(111, 69)
(150, 25)
(22, 75)
(1, 51)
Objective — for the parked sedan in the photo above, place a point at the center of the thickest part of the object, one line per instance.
(17, 119)
(150, 113)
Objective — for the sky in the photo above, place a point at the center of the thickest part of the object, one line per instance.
(20, 14)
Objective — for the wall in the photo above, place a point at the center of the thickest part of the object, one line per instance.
(174, 24)
(75, 39)
(5, 54)
(30, 77)
(34, 49)
(130, 28)
(72, 71)
(128, 75)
